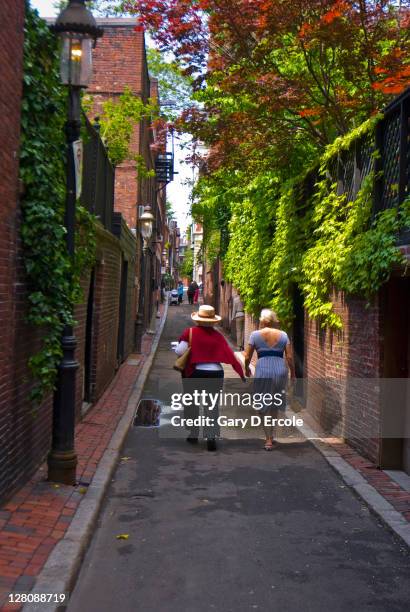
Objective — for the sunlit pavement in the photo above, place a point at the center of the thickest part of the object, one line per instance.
(238, 529)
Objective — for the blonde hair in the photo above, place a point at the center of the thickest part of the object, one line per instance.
(269, 316)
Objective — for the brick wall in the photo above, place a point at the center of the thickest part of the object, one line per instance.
(24, 432)
(120, 62)
(11, 52)
(129, 254)
(333, 364)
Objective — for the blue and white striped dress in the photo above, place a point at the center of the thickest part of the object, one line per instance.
(271, 373)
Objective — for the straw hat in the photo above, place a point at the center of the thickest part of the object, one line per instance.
(206, 316)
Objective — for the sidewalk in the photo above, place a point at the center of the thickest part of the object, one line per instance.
(37, 517)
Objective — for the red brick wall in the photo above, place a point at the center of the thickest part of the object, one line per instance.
(341, 358)
(24, 432)
(107, 274)
(117, 58)
(106, 308)
(11, 52)
(129, 249)
(119, 62)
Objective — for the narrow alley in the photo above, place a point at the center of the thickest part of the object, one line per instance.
(235, 530)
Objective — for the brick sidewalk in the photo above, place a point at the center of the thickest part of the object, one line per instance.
(36, 518)
(398, 497)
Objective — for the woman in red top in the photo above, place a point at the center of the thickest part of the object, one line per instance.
(208, 350)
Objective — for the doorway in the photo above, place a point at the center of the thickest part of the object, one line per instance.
(395, 312)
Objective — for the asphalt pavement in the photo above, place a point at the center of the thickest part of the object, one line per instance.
(236, 530)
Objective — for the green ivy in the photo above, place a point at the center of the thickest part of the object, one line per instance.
(118, 119)
(333, 244)
(53, 280)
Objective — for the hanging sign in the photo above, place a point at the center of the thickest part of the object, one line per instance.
(78, 165)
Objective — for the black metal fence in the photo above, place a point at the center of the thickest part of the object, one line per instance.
(98, 177)
(391, 165)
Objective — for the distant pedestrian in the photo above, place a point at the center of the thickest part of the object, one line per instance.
(274, 360)
(208, 349)
(196, 294)
(191, 291)
(238, 318)
(180, 290)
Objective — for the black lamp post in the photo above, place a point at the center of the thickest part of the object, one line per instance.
(145, 223)
(78, 31)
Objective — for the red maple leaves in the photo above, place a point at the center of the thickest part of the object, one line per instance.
(272, 70)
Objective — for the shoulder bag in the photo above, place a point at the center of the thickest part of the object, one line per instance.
(181, 362)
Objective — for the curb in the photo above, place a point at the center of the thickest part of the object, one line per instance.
(376, 502)
(61, 569)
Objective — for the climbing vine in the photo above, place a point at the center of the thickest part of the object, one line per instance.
(53, 280)
(331, 244)
(118, 119)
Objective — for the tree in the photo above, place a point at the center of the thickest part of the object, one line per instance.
(174, 88)
(280, 80)
(169, 209)
(187, 267)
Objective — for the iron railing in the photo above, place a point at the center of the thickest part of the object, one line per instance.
(391, 165)
(98, 177)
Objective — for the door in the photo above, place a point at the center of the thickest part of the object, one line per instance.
(406, 439)
(395, 312)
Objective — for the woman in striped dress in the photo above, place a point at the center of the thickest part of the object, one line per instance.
(275, 360)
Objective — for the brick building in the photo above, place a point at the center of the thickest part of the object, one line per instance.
(120, 63)
(16, 424)
(106, 317)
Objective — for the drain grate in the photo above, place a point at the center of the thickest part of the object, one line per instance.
(148, 413)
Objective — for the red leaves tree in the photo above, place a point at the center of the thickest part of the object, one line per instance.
(279, 79)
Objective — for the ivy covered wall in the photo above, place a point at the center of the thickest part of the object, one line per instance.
(283, 234)
(53, 280)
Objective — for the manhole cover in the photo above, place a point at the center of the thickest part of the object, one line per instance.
(148, 413)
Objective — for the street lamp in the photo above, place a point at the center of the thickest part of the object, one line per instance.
(146, 224)
(78, 30)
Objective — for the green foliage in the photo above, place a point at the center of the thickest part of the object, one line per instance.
(175, 89)
(273, 246)
(285, 267)
(187, 267)
(118, 120)
(251, 227)
(169, 210)
(54, 281)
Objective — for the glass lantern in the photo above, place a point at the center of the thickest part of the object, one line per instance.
(146, 222)
(76, 60)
